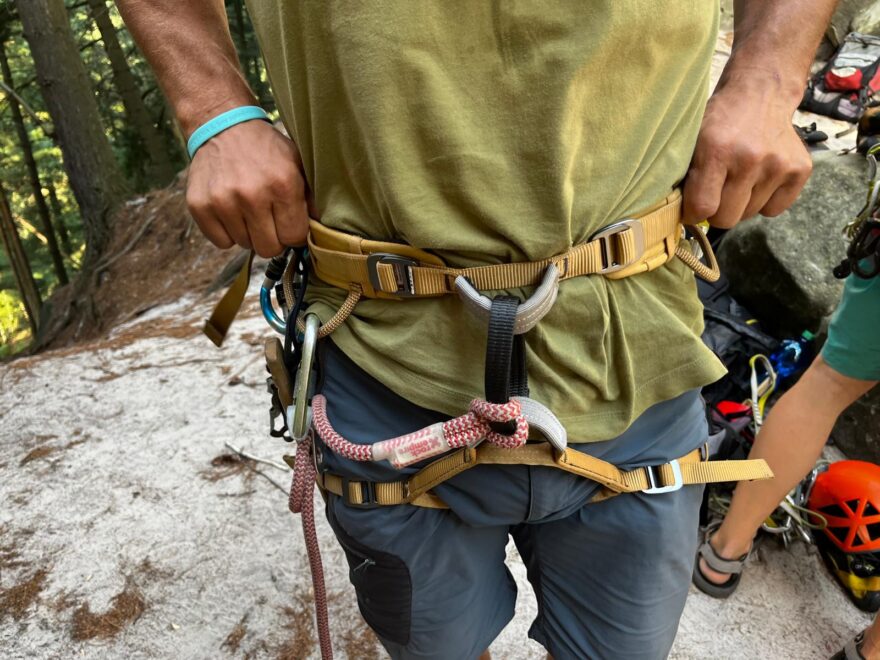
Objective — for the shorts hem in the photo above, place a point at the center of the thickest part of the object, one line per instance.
(835, 359)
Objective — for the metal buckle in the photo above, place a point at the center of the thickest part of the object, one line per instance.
(654, 479)
(609, 265)
(403, 274)
(368, 494)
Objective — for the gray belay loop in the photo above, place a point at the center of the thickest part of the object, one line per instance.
(508, 320)
(527, 314)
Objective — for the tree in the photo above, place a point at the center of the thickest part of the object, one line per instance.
(21, 268)
(249, 56)
(33, 173)
(94, 174)
(159, 169)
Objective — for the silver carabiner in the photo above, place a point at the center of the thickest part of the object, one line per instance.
(299, 415)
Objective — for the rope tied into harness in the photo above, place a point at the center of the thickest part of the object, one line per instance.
(473, 426)
(463, 431)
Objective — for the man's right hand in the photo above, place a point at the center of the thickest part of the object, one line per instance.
(246, 187)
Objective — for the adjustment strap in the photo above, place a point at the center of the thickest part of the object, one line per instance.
(224, 313)
(691, 469)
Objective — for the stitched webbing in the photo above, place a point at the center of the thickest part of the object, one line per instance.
(342, 267)
(415, 489)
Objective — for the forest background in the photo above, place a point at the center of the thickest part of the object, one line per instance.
(83, 128)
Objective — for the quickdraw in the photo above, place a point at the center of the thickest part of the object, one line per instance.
(863, 253)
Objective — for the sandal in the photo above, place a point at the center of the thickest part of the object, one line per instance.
(733, 567)
(851, 651)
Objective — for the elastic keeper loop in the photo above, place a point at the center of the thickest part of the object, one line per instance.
(220, 123)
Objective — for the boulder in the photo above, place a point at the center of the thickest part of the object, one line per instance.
(857, 432)
(780, 268)
(854, 16)
(867, 21)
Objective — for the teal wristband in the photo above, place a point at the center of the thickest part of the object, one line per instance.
(220, 123)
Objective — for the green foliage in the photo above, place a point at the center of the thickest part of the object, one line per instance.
(124, 138)
(13, 326)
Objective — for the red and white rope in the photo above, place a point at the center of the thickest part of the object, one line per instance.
(465, 430)
(461, 431)
(301, 490)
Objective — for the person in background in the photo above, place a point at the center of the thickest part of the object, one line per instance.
(792, 438)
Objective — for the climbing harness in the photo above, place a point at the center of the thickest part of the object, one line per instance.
(496, 429)
(863, 253)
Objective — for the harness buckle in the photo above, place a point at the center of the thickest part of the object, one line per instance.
(368, 494)
(604, 235)
(403, 274)
(655, 478)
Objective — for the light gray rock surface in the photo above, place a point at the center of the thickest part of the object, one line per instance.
(127, 531)
(867, 20)
(857, 431)
(854, 16)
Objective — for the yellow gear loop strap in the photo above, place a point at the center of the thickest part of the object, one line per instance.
(225, 311)
(416, 489)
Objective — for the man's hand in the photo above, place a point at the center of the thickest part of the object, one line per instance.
(748, 159)
(245, 187)
(246, 184)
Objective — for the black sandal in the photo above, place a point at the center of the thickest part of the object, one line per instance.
(733, 567)
(852, 650)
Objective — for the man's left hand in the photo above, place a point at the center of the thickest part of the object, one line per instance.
(748, 158)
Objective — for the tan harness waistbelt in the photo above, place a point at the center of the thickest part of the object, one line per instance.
(392, 270)
(378, 269)
(693, 468)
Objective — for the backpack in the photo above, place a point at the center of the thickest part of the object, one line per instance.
(846, 85)
(732, 334)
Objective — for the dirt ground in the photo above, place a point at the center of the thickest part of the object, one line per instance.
(132, 531)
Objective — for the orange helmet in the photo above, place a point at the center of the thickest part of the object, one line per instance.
(847, 495)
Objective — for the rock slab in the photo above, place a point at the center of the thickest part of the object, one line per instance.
(857, 432)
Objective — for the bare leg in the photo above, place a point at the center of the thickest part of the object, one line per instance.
(871, 645)
(790, 441)
(485, 656)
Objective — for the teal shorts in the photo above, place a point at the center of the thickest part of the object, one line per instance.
(853, 346)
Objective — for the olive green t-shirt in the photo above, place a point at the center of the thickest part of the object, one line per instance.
(501, 131)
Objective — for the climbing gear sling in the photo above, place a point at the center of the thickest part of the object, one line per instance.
(863, 253)
(496, 429)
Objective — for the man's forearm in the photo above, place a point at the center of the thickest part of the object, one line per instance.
(188, 45)
(774, 42)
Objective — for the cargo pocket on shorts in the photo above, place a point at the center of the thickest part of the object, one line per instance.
(383, 586)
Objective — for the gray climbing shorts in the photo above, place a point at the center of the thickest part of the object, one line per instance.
(611, 578)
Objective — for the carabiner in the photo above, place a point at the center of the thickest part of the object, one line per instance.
(274, 271)
(300, 413)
